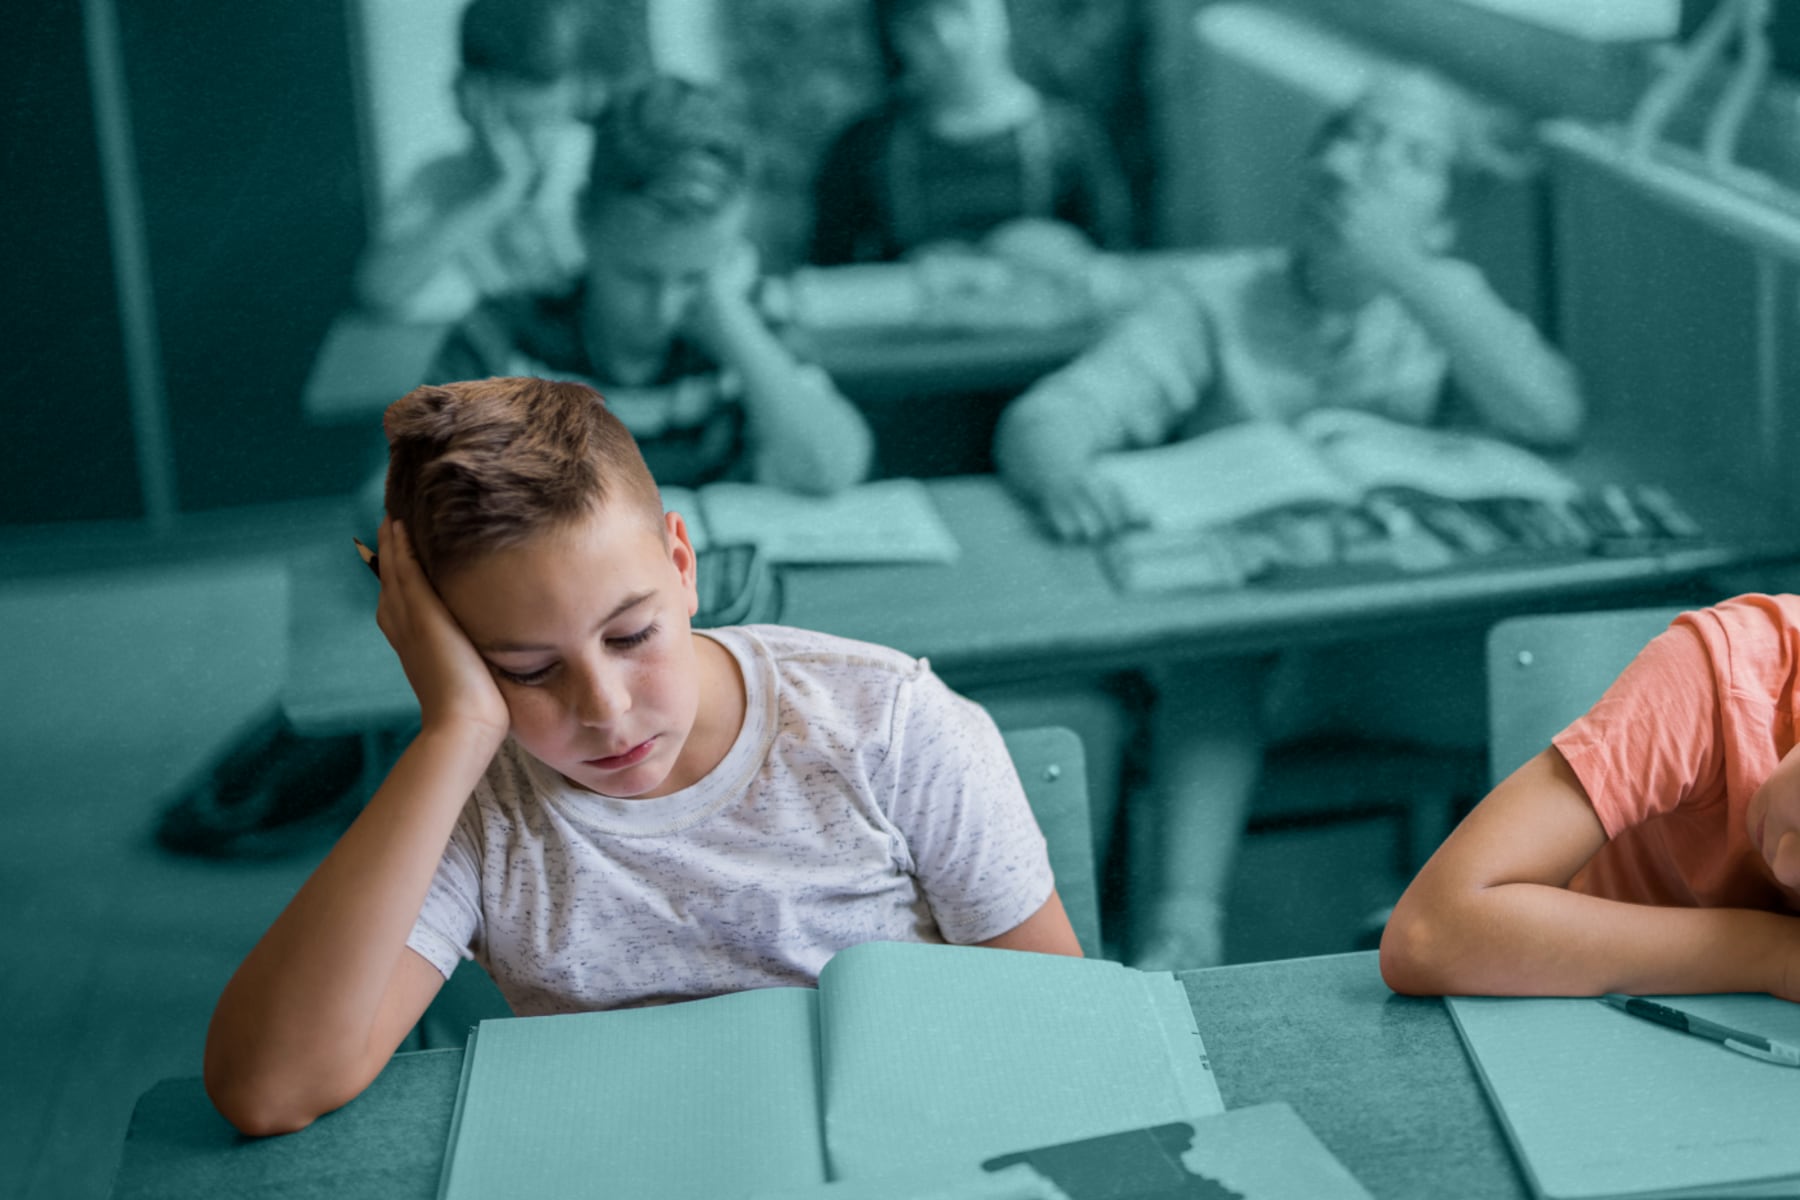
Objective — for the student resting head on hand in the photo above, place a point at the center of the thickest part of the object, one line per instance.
(1365, 310)
(663, 321)
(603, 806)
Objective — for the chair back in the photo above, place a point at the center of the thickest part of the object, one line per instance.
(1053, 769)
(1543, 671)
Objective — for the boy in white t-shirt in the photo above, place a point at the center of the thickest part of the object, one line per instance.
(603, 806)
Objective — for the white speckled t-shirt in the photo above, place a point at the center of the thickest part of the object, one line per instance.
(862, 801)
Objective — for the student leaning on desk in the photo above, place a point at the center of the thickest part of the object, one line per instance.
(1367, 310)
(662, 322)
(1653, 847)
(602, 806)
(499, 214)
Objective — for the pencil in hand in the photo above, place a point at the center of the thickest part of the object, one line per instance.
(368, 556)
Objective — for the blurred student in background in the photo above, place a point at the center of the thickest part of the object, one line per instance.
(962, 147)
(499, 214)
(1367, 310)
(662, 321)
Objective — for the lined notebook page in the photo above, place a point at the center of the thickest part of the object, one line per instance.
(703, 1099)
(928, 1065)
(1601, 1104)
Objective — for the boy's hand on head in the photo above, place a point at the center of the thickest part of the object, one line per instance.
(454, 687)
(724, 300)
(506, 147)
(1372, 230)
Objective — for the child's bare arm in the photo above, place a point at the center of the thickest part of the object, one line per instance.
(806, 436)
(1519, 383)
(492, 183)
(1128, 391)
(322, 1000)
(1046, 931)
(1491, 913)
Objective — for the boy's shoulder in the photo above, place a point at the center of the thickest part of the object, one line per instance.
(793, 647)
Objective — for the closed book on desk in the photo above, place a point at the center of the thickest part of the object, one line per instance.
(1600, 1104)
(905, 1058)
(1264, 1152)
(891, 520)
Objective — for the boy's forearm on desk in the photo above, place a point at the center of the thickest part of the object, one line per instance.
(296, 1019)
(1536, 939)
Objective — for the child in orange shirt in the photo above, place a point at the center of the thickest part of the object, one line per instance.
(1654, 847)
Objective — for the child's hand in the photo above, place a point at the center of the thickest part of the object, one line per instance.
(1372, 229)
(450, 679)
(723, 304)
(506, 147)
(1081, 505)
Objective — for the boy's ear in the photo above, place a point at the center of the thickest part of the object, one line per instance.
(684, 557)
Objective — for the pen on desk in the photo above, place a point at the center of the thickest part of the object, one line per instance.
(1754, 1045)
(368, 556)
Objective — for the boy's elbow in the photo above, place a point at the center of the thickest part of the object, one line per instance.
(1559, 417)
(263, 1100)
(1413, 955)
(256, 1107)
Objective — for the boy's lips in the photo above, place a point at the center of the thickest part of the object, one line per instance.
(614, 762)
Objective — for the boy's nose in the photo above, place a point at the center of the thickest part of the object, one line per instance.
(601, 697)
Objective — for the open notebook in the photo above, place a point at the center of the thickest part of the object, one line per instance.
(1330, 457)
(891, 520)
(1263, 1152)
(906, 1058)
(1599, 1104)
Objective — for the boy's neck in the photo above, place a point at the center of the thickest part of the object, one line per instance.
(1328, 285)
(723, 703)
(989, 103)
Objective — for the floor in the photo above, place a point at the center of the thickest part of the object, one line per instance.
(118, 950)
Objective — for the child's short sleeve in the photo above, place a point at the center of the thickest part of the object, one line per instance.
(449, 922)
(1652, 742)
(950, 788)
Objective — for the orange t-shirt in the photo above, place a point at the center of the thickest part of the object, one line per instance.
(1671, 755)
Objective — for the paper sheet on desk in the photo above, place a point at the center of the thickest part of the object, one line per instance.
(892, 520)
(1601, 1104)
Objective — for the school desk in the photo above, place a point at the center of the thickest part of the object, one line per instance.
(1381, 1079)
(1017, 605)
(364, 363)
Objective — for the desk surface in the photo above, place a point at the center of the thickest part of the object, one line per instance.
(1382, 1080)
(1014, 606)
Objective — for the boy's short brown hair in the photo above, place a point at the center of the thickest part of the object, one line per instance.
(680, 146)
(482, 465)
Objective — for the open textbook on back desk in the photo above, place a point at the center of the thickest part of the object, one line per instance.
(906, 1057)
(1604, 1106)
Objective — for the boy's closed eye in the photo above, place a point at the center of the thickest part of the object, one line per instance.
(538, 674)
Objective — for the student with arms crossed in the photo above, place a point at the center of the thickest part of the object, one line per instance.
(663, 322)
(1367, 310)
(1653, 847)
(963, 148)
(604, 807)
